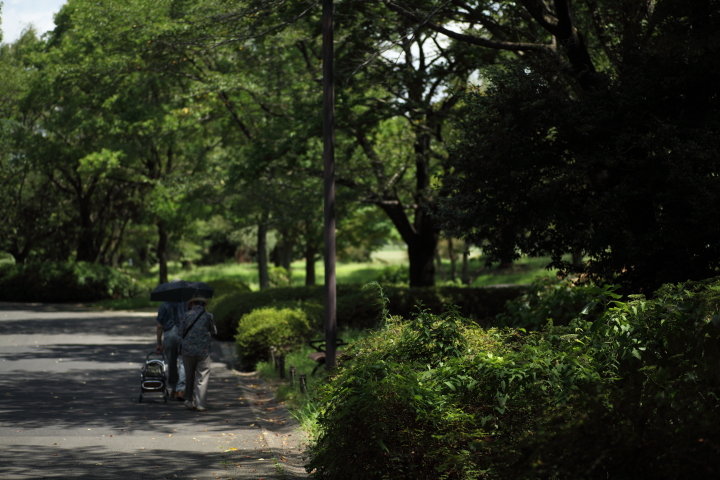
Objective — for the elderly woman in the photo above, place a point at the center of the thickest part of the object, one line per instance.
(197, 325)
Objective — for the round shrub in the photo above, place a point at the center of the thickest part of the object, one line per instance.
(263, 328)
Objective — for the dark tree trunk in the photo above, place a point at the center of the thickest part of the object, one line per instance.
(20, 255)
(263, 276)
(284, 253)
(421, 239)
(86, 250)
(465, 275)
(162, 251)
(421, 250)
(422, 269)
(310, 253)
(451, 253)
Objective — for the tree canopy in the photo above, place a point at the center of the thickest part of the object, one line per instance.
(625, 171)
(528, 127)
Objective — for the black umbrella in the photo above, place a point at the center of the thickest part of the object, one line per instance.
(181, 291)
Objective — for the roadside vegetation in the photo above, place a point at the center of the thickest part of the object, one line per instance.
(620, 389)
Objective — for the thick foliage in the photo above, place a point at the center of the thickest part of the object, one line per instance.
(393, 275)
(270, 327)
(624, 172)
(357, 308)
(64, 282)
(659, 418)
(546, 299)
(438, 397)
(631, 395)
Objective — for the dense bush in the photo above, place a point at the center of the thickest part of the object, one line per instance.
(270, 327)
(393, 275)
(439, 397)
(226, 286)
(546, 299)
(634, 394)
(64, 282)
(358, 308)
(658, 416)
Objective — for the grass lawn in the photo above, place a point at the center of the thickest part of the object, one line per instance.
(524, 270)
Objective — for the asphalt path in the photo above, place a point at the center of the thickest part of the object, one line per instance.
(69, 388)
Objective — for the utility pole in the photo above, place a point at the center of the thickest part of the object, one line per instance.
(329, 185)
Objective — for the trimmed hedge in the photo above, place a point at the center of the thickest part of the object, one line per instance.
(64, 282)
(358, 308)
(270, 327)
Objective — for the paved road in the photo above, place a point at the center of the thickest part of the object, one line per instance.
(69, 387)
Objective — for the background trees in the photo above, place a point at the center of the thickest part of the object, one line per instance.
(593, 132)
(623, 170)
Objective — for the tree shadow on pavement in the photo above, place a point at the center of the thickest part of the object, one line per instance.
(102, 463)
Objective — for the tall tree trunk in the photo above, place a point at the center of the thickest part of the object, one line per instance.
(424, 243)
(263, 276)
(162, 251)
(465, 275)
(284, 252)
(451, 253)
(86, 250)
(310, 253)
(421, 252)
(421, 239)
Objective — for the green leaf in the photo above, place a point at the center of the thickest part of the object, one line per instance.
(382, 445)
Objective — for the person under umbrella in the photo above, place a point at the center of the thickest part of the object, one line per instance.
(197, 326)
(169, 339)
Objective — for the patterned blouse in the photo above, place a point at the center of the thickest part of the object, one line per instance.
(197, 342)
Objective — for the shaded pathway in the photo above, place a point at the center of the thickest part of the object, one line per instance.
(69, 383)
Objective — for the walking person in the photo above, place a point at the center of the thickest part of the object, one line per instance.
(169, 340)
(197, 326)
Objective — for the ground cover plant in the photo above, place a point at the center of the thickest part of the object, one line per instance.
(632, 394)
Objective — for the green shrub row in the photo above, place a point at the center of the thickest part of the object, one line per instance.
(358, 308)
(633, 394)
(64, 282)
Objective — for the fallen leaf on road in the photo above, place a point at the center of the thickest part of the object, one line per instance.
(98, 464)
(231, 449)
